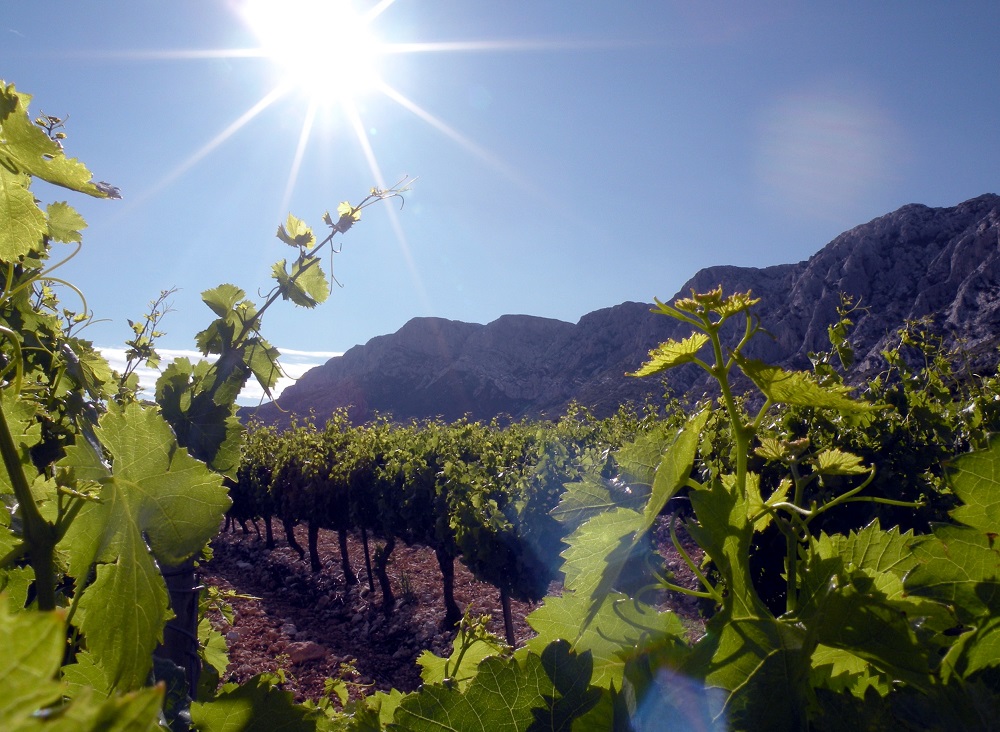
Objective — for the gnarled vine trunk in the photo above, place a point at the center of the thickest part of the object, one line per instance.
(381, 561)
(447, 563)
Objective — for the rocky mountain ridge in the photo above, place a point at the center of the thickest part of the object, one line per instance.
(916, 262)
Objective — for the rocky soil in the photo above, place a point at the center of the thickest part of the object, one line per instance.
(313, 627)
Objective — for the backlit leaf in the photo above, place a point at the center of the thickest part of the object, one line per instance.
(799, 388)
(598, 551)
(751, 663)
(570, 673)
(26, 149)
(501, 697)
(859, 619)
(32, 653)
(616, 631)
(976, 480)
(22, 223)
(839, 670)
(460, 667)
(64, 222)
(33, 701)
(155, 502)
(674, 469)
(583, 500)
(756, 503)
(296, 233)
(255, 706)
(838, 462)
(223, 299)
(672, 353)
(305, 285)
(960, 566)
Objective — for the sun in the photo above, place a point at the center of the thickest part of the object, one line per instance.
(325, 48)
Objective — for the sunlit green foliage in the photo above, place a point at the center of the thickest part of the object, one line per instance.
(105, 495)
(851, 576)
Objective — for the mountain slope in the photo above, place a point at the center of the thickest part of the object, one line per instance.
(914, 262)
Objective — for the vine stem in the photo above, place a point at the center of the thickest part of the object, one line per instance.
(710, 590)
(39, 535)
(741, 590)
(792, 546)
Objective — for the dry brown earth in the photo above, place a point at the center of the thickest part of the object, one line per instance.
(315, 626)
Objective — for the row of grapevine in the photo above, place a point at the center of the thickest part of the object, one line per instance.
(483, 493)
(107, 499)
(879, 627)
(890, 624)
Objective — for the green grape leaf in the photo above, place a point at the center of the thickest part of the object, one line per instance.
(871, 549)
(378, 711)
(840, 671)
(960, 566)
(619, 627)
(22, 223)
(255, 706)
(974, 650)
(295, 233)
(976, 480)
(883, 556)
(501, 697)
(852, 598)
(15, 583)
(26, 431)
(33, 644)
(262, 360)
(772, 449)
(724, 531)
(344, 208)
(64, 223)
(598, 551)
(86, 364)
(570, 673)
(638, 460)
(460, 667)
(755, 501)
(799, 388)
(837, 462)
(85, 673)
(204, 422)
(982, 650)
(26, 149)
(214, 649)
(674, 469)
(858, 619)
(751, 662)
(582, 500)
(305, 285)
(32, 653)
(156, 502)
(347, 214)
(222, 300)
(672, 353)
(135, 712)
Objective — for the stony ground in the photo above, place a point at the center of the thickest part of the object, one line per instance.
(316, 626)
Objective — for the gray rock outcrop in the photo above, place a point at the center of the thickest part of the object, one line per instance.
(916, 262)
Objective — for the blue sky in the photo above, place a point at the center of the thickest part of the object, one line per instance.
(569, 155)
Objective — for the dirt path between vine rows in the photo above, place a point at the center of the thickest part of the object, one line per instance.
(315, 626)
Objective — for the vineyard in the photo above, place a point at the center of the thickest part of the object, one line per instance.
(847, 566)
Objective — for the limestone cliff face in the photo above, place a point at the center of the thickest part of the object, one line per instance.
(914, 262)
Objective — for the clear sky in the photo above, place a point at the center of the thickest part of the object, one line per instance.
(570, 155)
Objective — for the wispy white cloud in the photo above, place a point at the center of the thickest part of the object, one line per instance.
(294, 362)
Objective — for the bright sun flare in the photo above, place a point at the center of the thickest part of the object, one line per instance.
(325, 47)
